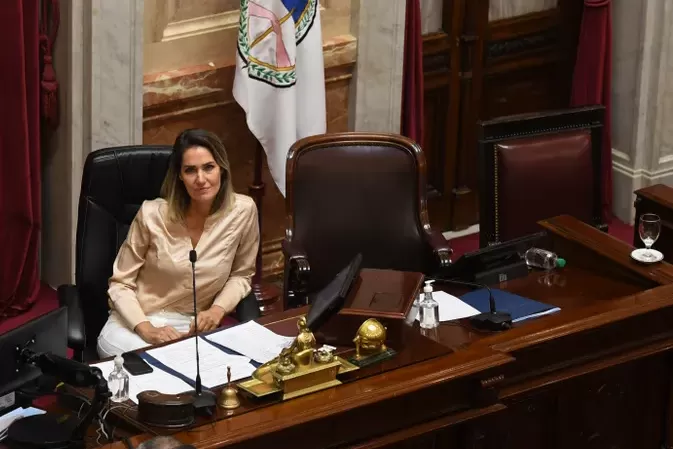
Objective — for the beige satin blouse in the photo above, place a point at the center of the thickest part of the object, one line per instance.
(152, 271)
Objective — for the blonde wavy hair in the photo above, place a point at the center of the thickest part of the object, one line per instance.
(173, 189)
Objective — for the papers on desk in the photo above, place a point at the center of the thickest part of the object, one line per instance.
(452, 308)
(175, 364)
(252, 340)
(7, 419)
(181, 357)
(158, 380)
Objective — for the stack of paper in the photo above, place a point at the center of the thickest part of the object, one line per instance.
(252, 340)
(181, 357)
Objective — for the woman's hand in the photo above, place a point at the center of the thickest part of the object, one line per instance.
(156, 335)
(208, 319)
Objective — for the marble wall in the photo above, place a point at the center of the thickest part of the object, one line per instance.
(642, 99)
(376, 91)
(98, 62)
(180, 34)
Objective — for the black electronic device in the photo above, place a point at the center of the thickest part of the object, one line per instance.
(328, 301)
(135, 364)
(39, 347)
(496, 263)
(493, 320)
(204, 399)
(48, 333)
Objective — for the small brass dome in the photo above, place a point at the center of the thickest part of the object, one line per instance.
(372, 330)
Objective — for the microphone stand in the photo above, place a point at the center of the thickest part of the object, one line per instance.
(492, 320)
(204, 400)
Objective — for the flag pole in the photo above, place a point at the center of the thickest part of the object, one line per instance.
(268, 295)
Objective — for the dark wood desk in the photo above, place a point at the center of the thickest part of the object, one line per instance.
(656, 199)
(595, 375)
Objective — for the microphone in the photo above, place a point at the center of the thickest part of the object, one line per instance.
(492, 320)
(204, 400)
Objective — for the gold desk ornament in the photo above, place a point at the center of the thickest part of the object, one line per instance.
(299, 369)
(229, 395)
(370, 344)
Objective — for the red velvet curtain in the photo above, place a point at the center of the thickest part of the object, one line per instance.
(20, 215)
(412, 84)
(593, 78)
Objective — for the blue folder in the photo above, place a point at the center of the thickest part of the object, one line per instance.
(519, 307)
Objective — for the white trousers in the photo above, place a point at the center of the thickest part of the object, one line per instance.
(115, 338)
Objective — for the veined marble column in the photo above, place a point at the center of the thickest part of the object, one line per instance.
(375, 102)
(98, 61)
(642, 99)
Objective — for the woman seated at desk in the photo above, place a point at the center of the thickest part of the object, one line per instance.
(150, 291)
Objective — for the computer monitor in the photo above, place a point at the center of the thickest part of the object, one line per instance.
(47, 333)
(496, 263)
(328, 302)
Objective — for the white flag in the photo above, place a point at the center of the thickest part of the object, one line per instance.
(280, 75)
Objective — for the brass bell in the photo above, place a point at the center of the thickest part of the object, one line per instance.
(229, 396)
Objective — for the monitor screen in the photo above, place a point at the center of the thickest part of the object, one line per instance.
(328, 301)
(47, 333)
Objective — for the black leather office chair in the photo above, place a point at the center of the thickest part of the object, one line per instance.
(115, 183)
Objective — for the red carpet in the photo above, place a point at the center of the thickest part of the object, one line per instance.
(47, 297)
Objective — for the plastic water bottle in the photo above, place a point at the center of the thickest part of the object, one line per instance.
(429, 308)
(118, 381)
(541, 258)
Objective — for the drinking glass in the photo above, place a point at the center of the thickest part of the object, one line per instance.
(649, 228)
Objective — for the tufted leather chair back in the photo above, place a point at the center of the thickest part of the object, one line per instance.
(115, 182)
(351, 193)
(537, 166)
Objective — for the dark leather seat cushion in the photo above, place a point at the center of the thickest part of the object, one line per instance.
(542, 177)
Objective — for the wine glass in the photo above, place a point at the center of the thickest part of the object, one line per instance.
(649, 229)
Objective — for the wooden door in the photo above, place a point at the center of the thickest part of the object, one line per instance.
(478, 69)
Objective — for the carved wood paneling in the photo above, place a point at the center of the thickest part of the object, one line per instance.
(520, 64)
(436, 78)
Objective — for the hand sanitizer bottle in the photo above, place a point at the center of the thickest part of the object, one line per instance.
(429, 308)
(118, 381)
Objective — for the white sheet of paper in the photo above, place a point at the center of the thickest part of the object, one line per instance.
(158, 380)
(181, 357)
(452, 308)
(253, 340)
(18, 413)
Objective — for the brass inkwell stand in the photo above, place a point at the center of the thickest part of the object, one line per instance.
(302, 368)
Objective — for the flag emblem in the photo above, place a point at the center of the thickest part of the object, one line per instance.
(268, 34)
